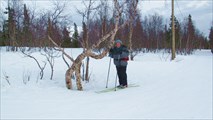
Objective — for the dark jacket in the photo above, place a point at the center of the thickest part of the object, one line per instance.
(120, 55)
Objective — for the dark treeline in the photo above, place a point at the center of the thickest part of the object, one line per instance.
(153, 34)
(24, 28)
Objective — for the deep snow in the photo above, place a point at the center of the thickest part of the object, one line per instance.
(179, 89)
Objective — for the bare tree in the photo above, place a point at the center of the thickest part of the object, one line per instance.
(11, 25)
(132, 10)
(50, 55)
(87, 14)
(26, 77)
(37, 62)
(89, 52)
(153, 29)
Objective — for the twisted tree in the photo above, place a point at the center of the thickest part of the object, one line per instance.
(89, 52)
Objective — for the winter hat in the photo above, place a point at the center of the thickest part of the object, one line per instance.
(118, 41)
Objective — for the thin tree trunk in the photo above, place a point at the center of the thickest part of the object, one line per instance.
(173, 33)
(130, 41)
(78, 76)
(87, 70)
(132, 14)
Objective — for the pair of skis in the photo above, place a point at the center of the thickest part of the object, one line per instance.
(116, 89)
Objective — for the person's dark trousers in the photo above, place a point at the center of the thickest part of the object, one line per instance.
(121, 71)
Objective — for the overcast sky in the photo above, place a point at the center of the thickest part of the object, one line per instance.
(201, 10)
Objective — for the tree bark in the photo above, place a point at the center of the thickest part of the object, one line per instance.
(75, 68)
(78, 77)
(132, 13)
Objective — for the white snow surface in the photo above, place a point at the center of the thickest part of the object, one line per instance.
(179, 89)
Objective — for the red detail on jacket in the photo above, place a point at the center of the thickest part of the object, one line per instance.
(125, 59)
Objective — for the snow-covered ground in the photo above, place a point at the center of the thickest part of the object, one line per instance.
(179, 89)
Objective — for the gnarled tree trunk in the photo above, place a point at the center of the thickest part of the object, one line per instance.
(75, 68)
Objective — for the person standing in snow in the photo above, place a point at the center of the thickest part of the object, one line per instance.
(120, 54)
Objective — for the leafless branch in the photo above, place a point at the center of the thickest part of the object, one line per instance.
(60, 49)
(6, 77)
(50, 55)
(59, 8)
(40, 67)
(65, 61)
(26, 77)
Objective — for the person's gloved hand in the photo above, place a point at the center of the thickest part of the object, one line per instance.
(110, 55)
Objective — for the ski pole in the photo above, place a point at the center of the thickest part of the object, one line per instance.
(108, 73)
(116, 81)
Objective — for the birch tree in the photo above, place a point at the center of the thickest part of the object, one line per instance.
(86, 21)
(132, 7)
(76, 63)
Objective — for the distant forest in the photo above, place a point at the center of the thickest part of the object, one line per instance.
(23, 27)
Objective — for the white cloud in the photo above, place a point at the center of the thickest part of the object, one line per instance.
(147, 6)
(201, 12)
(196, 4)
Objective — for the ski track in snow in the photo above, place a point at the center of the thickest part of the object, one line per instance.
(179, 89)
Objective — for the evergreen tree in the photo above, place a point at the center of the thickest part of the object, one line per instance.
(177, 34)
(75, 42)
(66, 38)
(190, 35)
(4, 37)
(168, 37)
(26, 28)
(1, 38)
(12, 28)
(211, 37)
